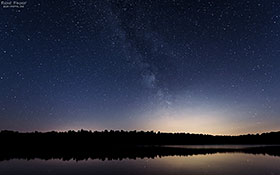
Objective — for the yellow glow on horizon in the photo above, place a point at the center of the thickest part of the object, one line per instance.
(210, 124)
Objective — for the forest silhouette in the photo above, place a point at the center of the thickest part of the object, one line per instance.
(83, 144)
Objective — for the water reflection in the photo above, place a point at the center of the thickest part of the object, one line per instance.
(134, 152)
(218, 164)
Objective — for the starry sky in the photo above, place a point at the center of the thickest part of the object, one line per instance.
(198, 66)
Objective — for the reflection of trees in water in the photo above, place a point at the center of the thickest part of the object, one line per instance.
(119, 153)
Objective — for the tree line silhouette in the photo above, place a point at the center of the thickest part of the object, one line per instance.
(95, 138)
(85, 144)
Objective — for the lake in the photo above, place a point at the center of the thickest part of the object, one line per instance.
(202, 164)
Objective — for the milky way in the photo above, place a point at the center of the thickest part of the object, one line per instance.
(178, 66)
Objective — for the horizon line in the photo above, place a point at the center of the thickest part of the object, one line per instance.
(121, 130)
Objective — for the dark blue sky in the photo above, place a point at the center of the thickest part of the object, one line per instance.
(191, 66)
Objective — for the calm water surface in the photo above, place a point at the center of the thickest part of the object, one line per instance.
(210, 164)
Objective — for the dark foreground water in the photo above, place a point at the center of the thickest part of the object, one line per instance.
(205, 164)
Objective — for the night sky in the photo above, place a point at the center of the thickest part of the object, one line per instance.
(198, 66)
